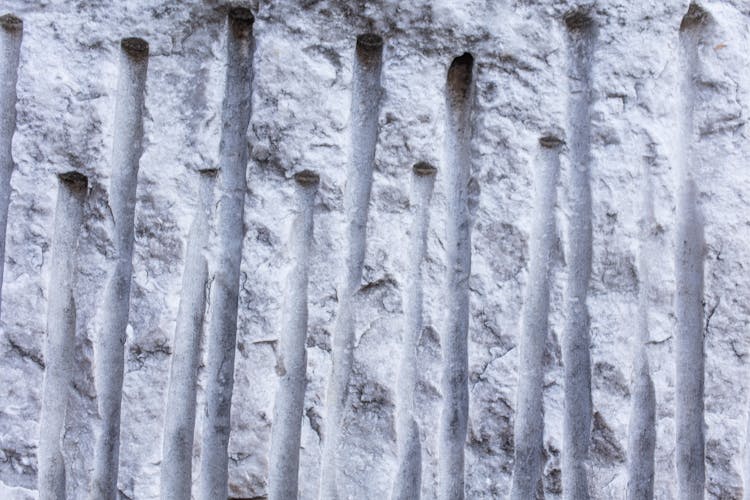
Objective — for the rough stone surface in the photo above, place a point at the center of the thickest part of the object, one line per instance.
(303, 64)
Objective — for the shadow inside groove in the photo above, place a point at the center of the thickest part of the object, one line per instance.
(577, 417)
(231, 180)
(60, 338)
(689, 270)
(364, 111)
(529, 420)
(110, 344)
(284, 455)
(11, 35)
(453, 423)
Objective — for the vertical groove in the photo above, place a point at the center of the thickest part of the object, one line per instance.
(576, 335)
(11, 33)
(365, 108)
(689, 364)
(61, 329)
(290, 393)
(179, 420)
(641, 428)
(109, 369)
(236, 110)
(408, 477)
(529, 423)
(454, 415)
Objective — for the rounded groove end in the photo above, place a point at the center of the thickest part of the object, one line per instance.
(694, 17)
(424, 169)
(370, 42)
(550, 141)
(208, 171)
(369, 49)
(240, 20)
(578, 20)
(135, 47)
(307, 178)
(460, 74)
(241, 16)
(10, 22)
(75, 180)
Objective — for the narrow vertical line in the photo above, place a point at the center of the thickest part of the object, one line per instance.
(689, 361)
(529, 423)
(454, 415)
(576, 335)
(641, 428)
(408, 483)
(179, 419)
(222, 338)
(11, 33)
(292, 368)
(110, 362)
(61, 329)
(365, 108)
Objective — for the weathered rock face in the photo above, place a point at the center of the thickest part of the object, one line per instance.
(639, 144)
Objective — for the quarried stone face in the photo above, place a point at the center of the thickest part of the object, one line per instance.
(538, 204)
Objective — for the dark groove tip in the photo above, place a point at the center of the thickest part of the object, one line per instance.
(241, 22)
(307, 178)
(9, 22)
(424, 169)
(694, 17)
(75, 180)
(208, 171)
(241, 15)
(136, 48)
(578, 20)
(459, 75)
(370, 42)
(550, 141)
(369, 48)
